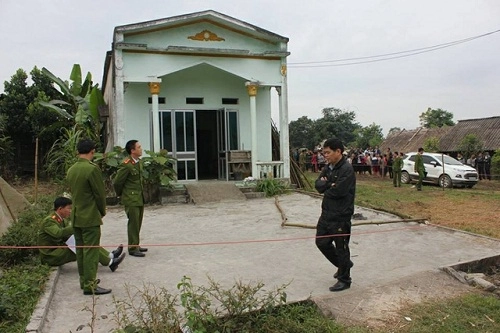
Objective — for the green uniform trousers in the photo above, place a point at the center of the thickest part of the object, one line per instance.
(134, 215)
(59, 257)
(87, 258)
(396, 178)
(421, 176)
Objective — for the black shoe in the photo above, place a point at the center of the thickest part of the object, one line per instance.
(339, 286)
(143, 249)
(97, 291)
(137, 253)
(116, 253)
(116, 262)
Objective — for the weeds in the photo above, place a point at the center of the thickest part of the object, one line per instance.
(271, 186)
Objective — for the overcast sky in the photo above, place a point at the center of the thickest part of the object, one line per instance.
(463, 79)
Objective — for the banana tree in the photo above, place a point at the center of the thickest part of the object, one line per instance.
(81, 101)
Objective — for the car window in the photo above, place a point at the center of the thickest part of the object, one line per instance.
(412, 158)
(429, 159)
(450, 160)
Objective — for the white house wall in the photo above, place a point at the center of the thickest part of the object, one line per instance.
(212, 85)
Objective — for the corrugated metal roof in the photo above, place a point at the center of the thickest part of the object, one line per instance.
(410, 140)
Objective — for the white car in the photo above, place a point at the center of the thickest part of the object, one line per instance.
(441, 169)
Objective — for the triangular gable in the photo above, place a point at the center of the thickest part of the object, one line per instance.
(209, 16)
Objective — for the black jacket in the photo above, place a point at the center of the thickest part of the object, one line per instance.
(338, 199)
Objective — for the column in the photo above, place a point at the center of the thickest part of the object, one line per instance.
(252, 92)
(154, 89)
(284, 136)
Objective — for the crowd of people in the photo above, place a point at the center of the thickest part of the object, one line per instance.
(375, 162)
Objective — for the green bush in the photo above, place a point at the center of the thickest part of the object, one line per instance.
(271, 186)
(23, 233)
(19, 293)
(495, 165)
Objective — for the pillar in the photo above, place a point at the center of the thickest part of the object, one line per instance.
(154, 89)
(252, 93)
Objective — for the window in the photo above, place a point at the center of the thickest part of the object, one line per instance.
(161, 100)
(194, 100)
(232, 101)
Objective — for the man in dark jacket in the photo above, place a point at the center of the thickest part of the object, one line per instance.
(338, 185)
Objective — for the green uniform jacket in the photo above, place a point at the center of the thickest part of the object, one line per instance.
(54, 231)
(419, 163)
(88, 194)
(397, 164)
(128, 183)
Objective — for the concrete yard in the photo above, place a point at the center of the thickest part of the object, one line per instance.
(393, 263)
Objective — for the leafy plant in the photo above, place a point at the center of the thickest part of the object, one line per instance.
(271, 186)
(431, 144)
(6, 147)
(82, 101)
(109, 163)
(158, 170)
(495, 165)
(63, 153)
(469, 145)
(23, 233)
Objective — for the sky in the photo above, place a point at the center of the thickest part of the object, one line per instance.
(463, 79)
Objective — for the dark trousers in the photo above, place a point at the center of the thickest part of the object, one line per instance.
(335, 248)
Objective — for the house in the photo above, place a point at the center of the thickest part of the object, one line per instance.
(200, 85)
(487, 130)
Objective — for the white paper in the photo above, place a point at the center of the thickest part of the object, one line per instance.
(71, 243)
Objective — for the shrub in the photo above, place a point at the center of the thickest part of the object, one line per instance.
(495, 165)
(23, 233)
(271, 186)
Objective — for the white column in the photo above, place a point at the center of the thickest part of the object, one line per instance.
(154, 89)
(284, 136)
(119, 103)
(252, 92)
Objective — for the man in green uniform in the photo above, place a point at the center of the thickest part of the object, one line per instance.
(420, 168)
(55, 231)
(89, 206)
(397, 165)
(128, 186)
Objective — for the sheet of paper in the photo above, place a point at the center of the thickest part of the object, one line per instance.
(71, 243)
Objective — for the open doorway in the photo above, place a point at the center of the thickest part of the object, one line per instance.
(206, 144)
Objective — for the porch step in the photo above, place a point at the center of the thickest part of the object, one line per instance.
(176, 195)
(213, 191)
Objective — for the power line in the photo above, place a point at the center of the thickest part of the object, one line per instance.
(386, 56)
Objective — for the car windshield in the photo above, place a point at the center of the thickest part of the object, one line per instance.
(449, 160)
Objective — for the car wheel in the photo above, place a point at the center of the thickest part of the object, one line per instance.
(405, 177)
(445, 181)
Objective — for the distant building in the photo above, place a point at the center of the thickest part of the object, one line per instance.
(487, 131)
(199, 85)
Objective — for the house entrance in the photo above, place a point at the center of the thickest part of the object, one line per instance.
(200, 140)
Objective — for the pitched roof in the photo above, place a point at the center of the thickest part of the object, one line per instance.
(486, 129)
(410, 140)
(207, 15)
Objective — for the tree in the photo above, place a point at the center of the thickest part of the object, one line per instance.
(394, 130)
(436, 118)
(300, 132)
(336, 123)
(469, 145)
(81, 102)
(495, 165)
(431, 145)
(369, 136)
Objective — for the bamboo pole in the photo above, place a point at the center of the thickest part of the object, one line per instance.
(36, 170)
